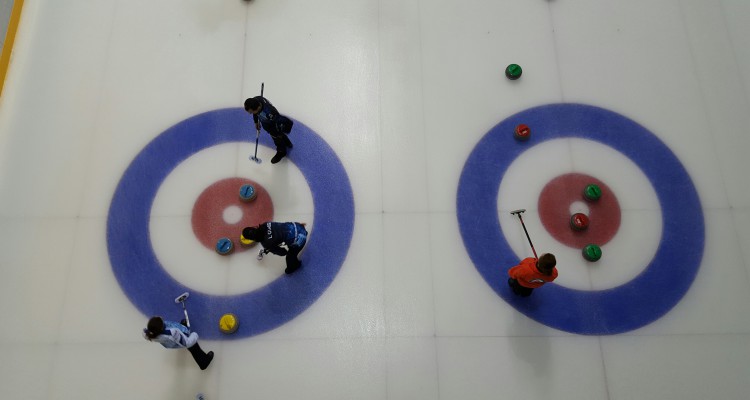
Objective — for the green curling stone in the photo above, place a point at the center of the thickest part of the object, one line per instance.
(513, 71)
(592, 252)
(592, 192)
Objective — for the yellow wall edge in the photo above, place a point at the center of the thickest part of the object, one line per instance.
(10, 36)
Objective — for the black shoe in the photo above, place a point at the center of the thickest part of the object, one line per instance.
(290, 270)
(277, 158)
(210, 357)
(288, 142)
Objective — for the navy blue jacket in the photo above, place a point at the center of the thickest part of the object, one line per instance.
(276, 234)
(270, 119)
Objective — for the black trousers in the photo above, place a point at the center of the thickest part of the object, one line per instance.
(282, 142)
(292, 262)
(200, 357)
(519, 290)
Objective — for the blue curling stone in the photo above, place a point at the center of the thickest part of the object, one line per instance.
(248, 193)
(224, 246)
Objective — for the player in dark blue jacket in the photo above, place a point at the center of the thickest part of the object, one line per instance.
(277, 125)
(273, 235)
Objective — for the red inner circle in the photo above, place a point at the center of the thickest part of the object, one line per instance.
(208, 211)
(554, 211)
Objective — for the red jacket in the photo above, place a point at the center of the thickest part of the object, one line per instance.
(528, 276)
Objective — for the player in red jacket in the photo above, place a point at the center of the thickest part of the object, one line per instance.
(532, 273)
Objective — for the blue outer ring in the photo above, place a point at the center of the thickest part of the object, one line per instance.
(632, 305)
(152, 290)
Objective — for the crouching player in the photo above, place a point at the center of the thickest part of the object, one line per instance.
(273, 235)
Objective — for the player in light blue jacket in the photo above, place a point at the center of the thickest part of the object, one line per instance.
(176, 336)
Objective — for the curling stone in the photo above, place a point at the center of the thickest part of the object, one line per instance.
(224, 246)
(592, 192)
(244, 242)
(228, 323)
(248, 193)
(592, 252)
(579, 222)
(522, 132)
(513, 71)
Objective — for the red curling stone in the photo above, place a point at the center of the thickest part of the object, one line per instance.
(579, 222)
(522, 132)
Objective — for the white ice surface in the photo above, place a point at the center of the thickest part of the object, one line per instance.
(401, 90)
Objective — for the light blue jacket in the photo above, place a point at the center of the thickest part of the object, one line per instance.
(174, 336)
